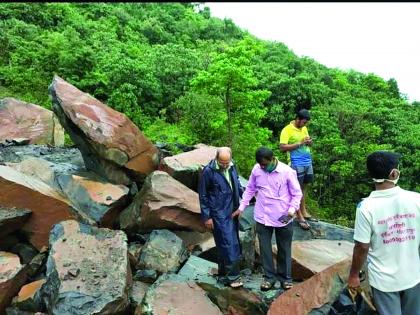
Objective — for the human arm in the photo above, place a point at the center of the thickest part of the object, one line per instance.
(362, 235)
(360, 253)
(295, 192)
(249, 192)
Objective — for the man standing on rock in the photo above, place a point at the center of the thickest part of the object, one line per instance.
(295, 140)
(387, 234)
(278, 195)
(219, 191)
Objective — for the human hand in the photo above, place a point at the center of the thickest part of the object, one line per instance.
(209, 224)
(308, 141)
(354, 282)
(237, 213)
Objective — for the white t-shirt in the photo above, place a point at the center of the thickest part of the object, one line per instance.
(390, 221)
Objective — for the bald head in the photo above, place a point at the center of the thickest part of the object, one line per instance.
(223, 157)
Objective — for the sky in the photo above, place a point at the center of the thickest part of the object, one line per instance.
(381, 38)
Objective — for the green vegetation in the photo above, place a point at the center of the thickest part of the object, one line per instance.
(183, 76)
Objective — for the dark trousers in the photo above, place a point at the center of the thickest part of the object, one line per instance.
(284, 237)
(229, 271)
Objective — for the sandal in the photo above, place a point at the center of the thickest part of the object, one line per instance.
(286, 285)
(266, 285)
(236, 283)
(304, 225)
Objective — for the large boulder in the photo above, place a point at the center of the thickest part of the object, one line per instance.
(12, 219)
(162, 203)
(48, 207)
(88, 271)
(111, 144)
(314, 293)
(12, 278)
(19, 120)
(322, 230)
(163, 252)
(311, 257)
(246, 300)
(171, 294)
(187, 167)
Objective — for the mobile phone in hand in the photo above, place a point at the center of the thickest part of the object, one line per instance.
(285, 219)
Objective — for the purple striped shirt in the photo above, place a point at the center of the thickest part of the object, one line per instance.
(276, 193)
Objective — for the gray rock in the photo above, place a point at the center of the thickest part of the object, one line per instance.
(163, 252)
(88, 270)
(171, 294)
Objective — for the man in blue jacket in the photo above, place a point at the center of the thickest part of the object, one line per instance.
(219, 191)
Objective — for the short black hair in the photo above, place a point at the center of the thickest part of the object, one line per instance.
(381, 163)
(303, 114)
(263, 153)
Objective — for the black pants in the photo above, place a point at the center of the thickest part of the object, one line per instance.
(284, 237)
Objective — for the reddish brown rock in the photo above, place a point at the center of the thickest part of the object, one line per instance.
(110, 143)
(311, 257)
(162, 203)
(12, 219)
(12, 278)
(47, 206)
(187, 167)
(313, 293)
(28, 298)
(88, 270)
(19, 120)
(172, 295)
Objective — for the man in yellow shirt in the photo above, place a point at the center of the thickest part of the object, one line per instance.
(295, 140)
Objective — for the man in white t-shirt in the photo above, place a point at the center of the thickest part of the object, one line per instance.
(387, 234)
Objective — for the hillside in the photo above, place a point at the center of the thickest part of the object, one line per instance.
(186, 77)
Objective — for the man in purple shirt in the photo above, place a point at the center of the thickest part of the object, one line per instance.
(278, 195)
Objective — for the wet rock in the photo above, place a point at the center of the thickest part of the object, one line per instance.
(12, 278)
(20, 120)
(29, 298)
(12, 219)
(137, 293)
(134, 250)
(147, 276)
(247, 236)
(87, 270)
(311, 257)
(187, 167)
(170, 294)
(242, 301)
(48, 207)
(322, 230)
(26, 252)
(99, 200)
(163, 252)
(199, 241)
(37, 264)
(314, 293)
(162, 203)
(111, 145)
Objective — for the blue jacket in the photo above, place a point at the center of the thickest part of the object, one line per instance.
(217, 202)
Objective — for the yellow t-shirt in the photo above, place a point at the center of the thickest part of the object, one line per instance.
(291, 135)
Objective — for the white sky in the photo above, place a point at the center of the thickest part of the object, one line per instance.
(383, 38)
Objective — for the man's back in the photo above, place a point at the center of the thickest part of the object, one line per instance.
(390, 221)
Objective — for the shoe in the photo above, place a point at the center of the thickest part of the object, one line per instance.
(236, 283)
(266, 285)
(286, 285)
(304, 225)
